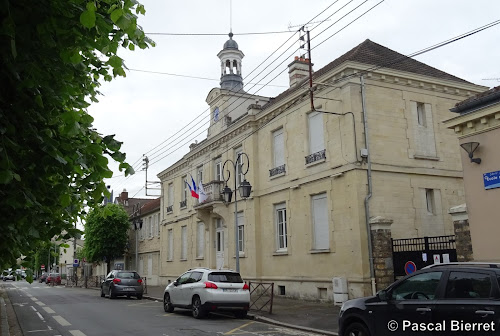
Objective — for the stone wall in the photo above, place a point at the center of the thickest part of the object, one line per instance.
(382, 251)
(462, 233)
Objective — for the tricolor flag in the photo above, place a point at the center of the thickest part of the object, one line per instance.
(201, 193)
(193, 188)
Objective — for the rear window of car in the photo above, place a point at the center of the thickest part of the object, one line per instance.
(127, 275)
(225, 277)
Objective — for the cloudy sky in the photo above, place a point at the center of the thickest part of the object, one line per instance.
(152, 110)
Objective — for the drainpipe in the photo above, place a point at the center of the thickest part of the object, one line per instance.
(369, 194)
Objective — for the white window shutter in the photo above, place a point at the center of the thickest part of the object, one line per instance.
(279, 148)
(316, 141)
(320, 222)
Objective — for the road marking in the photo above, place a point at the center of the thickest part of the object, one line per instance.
(142, 303)
(40, 316)
(76, 333)
(34, 299)
(40, 303)
(39, 330)
(230, 332)
(33, 308)
(61, 320)
(49, 310)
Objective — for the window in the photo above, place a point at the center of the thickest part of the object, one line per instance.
(421, 114)
(279, 148)
(430, 201)
(316, 141)
(241, 232)
(199, 176)
(465, 285)
(218, 169)
(200, 241)
(170, 251)
(195, 277)
(151, 229)
(239, 167)
(321, 232)
(183, 242)
(184, 278)
(159, 224)
(281, 229)
(185, 189)
(170, 194)
(413, 288)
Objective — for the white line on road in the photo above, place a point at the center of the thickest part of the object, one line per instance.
(40, 303)
(40, 316)
(76, 333)
(49, 310)
(33, 308)
(30, 331)
(61, 320)
(34, 298)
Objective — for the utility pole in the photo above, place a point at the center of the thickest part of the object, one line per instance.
(145, 166)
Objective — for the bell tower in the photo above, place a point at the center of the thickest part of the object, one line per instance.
(230, 60)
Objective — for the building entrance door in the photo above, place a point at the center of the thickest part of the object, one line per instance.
(219, 243)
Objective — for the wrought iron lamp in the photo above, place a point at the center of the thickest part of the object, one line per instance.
(470, 147)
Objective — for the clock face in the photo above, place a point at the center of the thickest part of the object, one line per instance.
(216, 114)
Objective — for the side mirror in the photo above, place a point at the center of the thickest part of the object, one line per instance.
(382, 295)
(176, 283)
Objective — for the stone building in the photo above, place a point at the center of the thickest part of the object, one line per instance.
(370, 155)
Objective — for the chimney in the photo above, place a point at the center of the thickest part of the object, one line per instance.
(124, 196)
(298, 70)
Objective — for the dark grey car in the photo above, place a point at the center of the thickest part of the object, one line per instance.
(122, 283)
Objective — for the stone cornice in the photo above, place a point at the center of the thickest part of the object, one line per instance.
(479, 121)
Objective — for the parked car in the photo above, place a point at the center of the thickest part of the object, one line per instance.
(122, 283)
(43, 277)
(53, 278)
(205, 290)
(444, 298)
(9, 276)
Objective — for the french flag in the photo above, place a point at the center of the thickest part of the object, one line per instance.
(193, 189)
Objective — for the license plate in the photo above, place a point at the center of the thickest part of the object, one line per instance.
(129, 289)
(229, 290)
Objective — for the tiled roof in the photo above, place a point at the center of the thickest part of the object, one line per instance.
(372, 53)
(479, 99)
(150, 206)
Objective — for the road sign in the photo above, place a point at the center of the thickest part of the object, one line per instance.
(76, 262)
(410, 267)
(43, 267)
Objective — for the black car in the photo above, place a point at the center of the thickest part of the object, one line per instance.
(122, 283)
(441, 299)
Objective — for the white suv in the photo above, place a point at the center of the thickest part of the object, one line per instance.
(204, 290)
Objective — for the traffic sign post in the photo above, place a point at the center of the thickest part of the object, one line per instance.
(76, 262)
(410, 267)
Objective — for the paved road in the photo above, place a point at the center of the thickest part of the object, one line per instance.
(50, 311)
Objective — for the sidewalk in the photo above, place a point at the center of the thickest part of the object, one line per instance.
(321, 318)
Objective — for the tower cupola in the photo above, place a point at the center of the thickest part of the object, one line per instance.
(230, 60)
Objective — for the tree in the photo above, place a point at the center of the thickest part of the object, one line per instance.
(106, 233)
(53, 55)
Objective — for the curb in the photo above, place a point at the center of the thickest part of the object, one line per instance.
(291, 326)
(5, 321)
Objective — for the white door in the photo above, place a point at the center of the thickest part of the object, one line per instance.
(150, 265)
(219, 244)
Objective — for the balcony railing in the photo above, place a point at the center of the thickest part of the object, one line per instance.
(183, 203)
(213, 190)
(276, 171)
(170, 208)
(321, 155)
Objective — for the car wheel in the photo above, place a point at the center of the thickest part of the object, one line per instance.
(102, 292)
(139, 296)
(110, 293)
(356, 329)
(240, 314)
(198, 311)
(167, 304)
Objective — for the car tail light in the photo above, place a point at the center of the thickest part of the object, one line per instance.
(139, 281)
(209, 284)
(245, 286)
(116, 281)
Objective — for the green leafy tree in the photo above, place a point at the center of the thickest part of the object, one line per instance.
(53, 55)
(106, 233)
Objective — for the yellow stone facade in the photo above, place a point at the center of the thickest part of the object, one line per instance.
(407, 164)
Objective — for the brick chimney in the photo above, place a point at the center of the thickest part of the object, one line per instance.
(124, 196)
(298, 70)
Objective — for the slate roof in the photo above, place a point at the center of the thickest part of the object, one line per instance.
(150, 206)
(372, 53)
(481, 99)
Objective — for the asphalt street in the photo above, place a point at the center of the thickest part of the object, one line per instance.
(45, 310)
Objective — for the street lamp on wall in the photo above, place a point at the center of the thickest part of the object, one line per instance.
(245, 188)
(137, 227)
(470, 147)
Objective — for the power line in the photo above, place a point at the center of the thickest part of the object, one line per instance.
(220, 34)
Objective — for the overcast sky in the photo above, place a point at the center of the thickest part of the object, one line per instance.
(145, 109)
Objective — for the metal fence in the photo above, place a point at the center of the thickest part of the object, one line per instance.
(261, 296)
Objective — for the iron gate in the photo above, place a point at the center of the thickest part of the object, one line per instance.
(421, 251)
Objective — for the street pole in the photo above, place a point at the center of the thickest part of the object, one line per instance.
(136, 251)
(237, 242)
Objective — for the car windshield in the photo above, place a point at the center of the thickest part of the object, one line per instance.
(127, 275)
(225, 277)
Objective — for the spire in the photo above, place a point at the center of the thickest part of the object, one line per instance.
(230, 60)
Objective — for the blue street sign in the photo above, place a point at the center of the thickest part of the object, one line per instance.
(491, 180)
(76, 262)
(410, 267)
